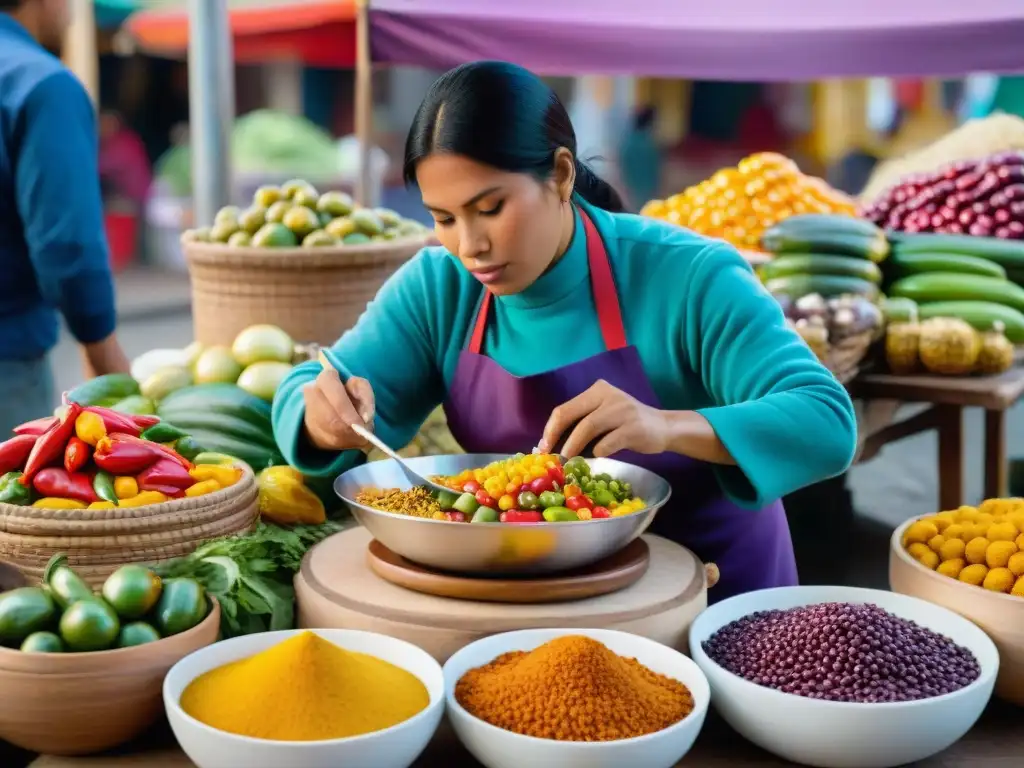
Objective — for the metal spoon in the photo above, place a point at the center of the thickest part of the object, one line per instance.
(411, 475)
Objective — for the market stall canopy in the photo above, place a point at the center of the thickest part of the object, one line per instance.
(318, 34)
(784, 40)
(111, 14)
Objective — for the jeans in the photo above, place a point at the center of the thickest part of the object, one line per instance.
(26, 392)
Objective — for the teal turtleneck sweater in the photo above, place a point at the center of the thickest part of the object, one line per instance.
(710, 337)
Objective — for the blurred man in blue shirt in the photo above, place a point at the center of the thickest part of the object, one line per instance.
(53, 250)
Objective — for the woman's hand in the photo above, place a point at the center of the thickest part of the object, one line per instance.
(332, 406)
(620, 421)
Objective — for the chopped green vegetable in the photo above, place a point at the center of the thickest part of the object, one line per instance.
(251, 574)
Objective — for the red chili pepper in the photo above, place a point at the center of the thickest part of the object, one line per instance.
(116, 423)
(76, 455)
(36, 426)
(521, 516)
(542, 484)
(118, 457)
(15, 451)
(49, 447)
(54, 482)
(600, 512)
(165, 473)
(145, 421)
(170, 453)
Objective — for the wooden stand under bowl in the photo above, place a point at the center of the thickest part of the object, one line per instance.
(336, 587)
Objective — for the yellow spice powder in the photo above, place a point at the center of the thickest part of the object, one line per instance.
(305, 689)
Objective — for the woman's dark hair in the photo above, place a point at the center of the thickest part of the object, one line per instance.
(504, 116)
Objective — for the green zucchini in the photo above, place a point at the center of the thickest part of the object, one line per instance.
(224, 423)
(953, 286)
(820, 264)
(1016, 275)
(111, 387)
(1008, 253)
(915, 263)
(898, 310)
(218, 398)
(982, 315)
(827, 222)
(871, 247)
(796, 286)
(258, 457)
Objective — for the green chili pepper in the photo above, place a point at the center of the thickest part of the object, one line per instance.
(188, 447)
(13, 492)
(163, 432)
(560, 515)
(602, 497)
(551, 499)
(103, 485)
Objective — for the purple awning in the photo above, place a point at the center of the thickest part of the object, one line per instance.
(763, 40)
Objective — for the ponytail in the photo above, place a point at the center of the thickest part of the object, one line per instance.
(596, 191)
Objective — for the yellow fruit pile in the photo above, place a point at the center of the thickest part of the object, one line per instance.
(739, 204)
(982, 546)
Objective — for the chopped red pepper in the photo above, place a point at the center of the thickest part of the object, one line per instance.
(579, 502)
(170, 453)
(165, 473)
(114, 422)
(49, 447)
(471, 487)
(36, 426)
(557, 474)
(600, 512)
(77, 454)
(54, 482)
(484, 499)
(15, 451)
(521, 516)
(145, 421)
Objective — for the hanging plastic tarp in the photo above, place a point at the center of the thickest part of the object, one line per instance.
(320, 34)
(739, 40)
(111, 14)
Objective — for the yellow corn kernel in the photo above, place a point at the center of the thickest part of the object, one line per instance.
(517, 479)
(126, 487)
(143, 499)
(224, 476)
(51, 502)
(506, 502)
(101, 505)
(494, 487)
(202, 488)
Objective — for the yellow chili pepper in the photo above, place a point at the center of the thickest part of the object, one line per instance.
(584, 514)
(202, 488)
(572, 490)
(89, 428)
(225, 476)
(143, 499)
(126, 487)
(101, 505)
(506, 502)
(52, 502)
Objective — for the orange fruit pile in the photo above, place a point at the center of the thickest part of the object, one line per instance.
(739, 204)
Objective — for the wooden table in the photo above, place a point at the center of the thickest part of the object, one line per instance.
(997, 741)
(948, 396)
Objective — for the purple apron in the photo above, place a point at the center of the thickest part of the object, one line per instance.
(491, 411)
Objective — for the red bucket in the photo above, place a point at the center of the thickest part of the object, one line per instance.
(122, 238)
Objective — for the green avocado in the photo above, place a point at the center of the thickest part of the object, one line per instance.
(335, 203)
(240, 239)
(274, 236)
(251, 219)
(301, 221)
(356, 238)
(367, 221)
(318, 239)
(275, 213)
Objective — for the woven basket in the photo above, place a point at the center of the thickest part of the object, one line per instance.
(846, 356)
(313, 294)
(98, 541)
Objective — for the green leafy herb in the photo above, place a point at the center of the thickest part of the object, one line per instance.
(251, 574)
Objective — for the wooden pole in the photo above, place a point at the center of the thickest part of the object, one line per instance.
(364, 103)
(81, 55)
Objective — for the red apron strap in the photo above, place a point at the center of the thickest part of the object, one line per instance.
(476, 341)
(602, 285)
(602, 282)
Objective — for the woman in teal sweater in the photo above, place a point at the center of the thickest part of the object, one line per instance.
(548, 317)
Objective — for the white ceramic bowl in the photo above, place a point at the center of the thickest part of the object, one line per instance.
(498, 748)
(395, 747)
(832, 734)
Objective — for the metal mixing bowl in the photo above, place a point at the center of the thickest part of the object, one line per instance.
(497, 548)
